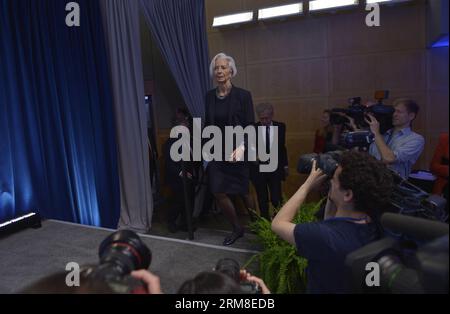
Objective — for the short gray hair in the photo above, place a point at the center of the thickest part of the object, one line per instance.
(230, 60)
(263, 107)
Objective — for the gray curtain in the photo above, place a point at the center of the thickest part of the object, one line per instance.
(121, 24)
(179, 29)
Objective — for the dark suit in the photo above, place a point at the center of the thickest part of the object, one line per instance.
(270, 181)
(175, 182)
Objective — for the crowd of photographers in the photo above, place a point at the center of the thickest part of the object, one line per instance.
(360, 185)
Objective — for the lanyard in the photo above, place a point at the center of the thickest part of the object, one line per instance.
(347, 219)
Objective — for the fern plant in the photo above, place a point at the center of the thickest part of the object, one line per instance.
(280, 267)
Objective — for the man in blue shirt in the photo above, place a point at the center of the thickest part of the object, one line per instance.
(360, 190)
(399, 147)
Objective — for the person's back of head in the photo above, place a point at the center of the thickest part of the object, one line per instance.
(212, 282)
(56, 284)
(183, 117)
(370, 181)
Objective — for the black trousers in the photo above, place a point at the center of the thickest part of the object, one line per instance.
(265, 184)
(178, 205)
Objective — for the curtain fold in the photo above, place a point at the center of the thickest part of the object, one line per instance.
(57, 147)
(178, 27)
(121, 24)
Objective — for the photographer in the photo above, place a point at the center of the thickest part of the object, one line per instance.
(215, 282)
(360, 190)
(399, 147)
(247, 282)
(56, 284)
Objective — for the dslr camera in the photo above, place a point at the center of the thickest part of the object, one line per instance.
(358, 112)
(231, 268)
(120, 253)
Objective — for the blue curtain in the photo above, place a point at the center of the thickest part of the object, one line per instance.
(57, 143)
(179, 29)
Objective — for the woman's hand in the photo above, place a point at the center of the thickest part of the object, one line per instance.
(238, 154)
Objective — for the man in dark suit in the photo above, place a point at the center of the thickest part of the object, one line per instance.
(174, 178)
(265, 182)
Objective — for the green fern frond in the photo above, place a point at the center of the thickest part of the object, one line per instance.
(281, 268)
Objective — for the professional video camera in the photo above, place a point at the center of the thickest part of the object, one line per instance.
(405, 199)
(231, 268)
(120, 253)
(358, 112)
(416, 261)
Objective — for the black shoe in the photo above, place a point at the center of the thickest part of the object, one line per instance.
(230, 239)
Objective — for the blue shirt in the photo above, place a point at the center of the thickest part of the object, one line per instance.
(406, 146)
(325, 245)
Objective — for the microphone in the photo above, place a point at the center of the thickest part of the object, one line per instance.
(419, 228)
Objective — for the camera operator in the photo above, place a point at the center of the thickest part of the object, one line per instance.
(360, 190)
(399, 147)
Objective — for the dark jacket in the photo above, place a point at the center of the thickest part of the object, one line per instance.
(282, 151)
(241, 110)
(173, 169)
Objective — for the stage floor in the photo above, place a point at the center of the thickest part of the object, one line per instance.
(31, 254)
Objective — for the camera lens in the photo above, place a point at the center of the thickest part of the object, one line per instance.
(125, 252)
(229, 267)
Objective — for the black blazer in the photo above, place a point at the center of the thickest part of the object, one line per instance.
(282, 151)
(240, 112)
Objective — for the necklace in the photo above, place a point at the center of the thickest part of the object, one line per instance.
(224, 96)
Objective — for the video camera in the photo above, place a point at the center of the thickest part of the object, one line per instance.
(231, 268)
(358, 112)
(120, 253)
(416, 261)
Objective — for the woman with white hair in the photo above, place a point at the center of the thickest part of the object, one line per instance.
(228, 105)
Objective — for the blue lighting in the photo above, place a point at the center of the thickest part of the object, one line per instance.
(441, 42)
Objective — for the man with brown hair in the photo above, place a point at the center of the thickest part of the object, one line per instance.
(360, 191)
(399, 147)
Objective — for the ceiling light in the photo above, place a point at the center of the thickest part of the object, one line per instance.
(384, 1)
(233, 19)
(318, 5)
(284, 10)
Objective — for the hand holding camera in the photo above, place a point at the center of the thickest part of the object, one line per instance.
(151, 281)
(258, 282)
